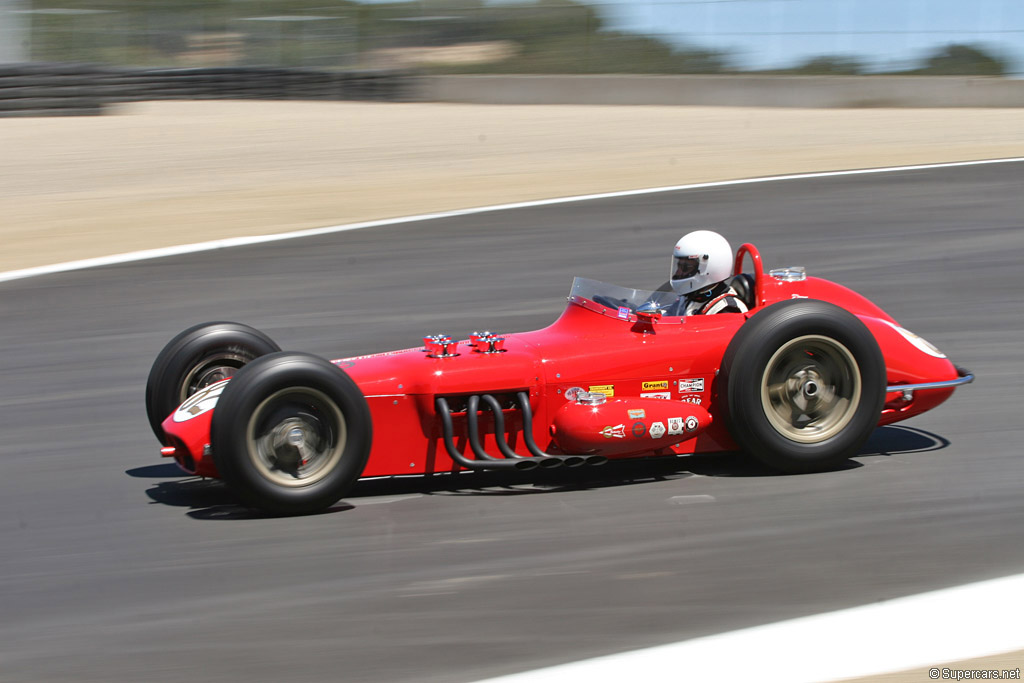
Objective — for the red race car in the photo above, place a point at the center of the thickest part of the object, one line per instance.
(798, 382)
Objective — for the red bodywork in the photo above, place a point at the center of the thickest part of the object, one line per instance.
(594, 348)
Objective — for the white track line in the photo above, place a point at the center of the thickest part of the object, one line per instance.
(259, 239)
(955, 624)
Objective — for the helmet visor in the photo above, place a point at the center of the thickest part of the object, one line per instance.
(685, 267)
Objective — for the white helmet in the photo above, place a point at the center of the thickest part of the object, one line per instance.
(702, 258)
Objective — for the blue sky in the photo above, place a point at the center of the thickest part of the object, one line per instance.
(771, 33)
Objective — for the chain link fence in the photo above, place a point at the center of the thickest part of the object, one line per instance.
(550, 36)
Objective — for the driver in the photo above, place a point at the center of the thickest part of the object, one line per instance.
(701, 262)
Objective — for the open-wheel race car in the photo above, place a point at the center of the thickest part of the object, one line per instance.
(798, 382)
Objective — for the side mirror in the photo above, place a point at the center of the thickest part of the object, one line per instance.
(649, 312)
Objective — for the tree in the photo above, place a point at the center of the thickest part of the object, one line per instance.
(961, 60)
(827, 65)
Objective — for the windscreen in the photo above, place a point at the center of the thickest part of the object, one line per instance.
(615, 297)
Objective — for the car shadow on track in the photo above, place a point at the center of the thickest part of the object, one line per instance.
(209, 499)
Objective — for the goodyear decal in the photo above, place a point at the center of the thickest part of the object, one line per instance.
(691, 399)
(654, 386)
(636, 413)
(606, 389)
(694, 384)
(616, 432)
(664, 395)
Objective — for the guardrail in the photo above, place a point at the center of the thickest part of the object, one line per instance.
(83, 89)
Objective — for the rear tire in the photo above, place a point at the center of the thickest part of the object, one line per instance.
(291, 434)
(199, 356)
(805, 384)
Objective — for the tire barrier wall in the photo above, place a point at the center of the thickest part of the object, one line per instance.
(82, 89)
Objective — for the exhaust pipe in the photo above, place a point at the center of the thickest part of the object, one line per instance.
(473, 430)
(488, 463)
(545, 461)
(531, 445)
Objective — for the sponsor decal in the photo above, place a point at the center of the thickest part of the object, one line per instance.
(675, 425)
(638, 429)
(572, 393)
(624, 313)
(616, 432)
(654, 386)
(200, 402)
(691, 399)
(636, 413)
(691, 424)
(657, 430)
(606, 389)
(664, 395)
(695, 384)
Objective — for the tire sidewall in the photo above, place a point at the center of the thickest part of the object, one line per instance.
(244, 394)
(743, 370)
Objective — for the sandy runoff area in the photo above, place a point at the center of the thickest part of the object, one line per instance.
(159, 174)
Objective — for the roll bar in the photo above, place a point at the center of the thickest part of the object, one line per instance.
(749, 249)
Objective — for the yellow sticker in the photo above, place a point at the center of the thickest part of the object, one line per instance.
(606, 389)
(654, 386)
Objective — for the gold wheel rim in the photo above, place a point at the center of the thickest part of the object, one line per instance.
(810, 389)
(296, 437)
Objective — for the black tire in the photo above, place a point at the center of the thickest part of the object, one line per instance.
(199, 356)
(810, 356)
(291, 434)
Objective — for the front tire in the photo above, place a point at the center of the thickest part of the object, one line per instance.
(290, 434)
(805, 384)
(196, 358)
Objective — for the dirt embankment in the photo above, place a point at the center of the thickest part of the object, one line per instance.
(159, 174)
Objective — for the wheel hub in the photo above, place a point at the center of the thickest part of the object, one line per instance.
(296, 437)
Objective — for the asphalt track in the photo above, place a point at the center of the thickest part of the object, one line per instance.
(116, 568)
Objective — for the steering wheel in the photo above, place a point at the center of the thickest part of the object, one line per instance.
(612, 303)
